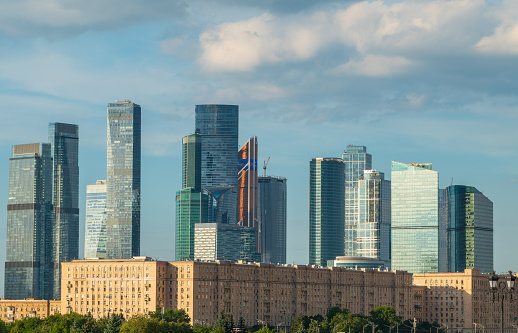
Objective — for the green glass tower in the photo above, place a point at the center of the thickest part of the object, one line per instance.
(415, 217)
(191, 203)
(470, 229)
(326, 210)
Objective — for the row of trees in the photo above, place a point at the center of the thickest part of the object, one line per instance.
(380, 320)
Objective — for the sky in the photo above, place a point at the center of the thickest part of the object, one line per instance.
(413, 80)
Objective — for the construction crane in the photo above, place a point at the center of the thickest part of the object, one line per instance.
(265, 164)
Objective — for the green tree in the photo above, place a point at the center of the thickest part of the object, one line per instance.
(171, 315)
(241, 324)
(224, 324)
(385, 317)
(140, 324)
(114, 324)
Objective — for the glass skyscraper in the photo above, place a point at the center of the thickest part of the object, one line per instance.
(29, 266)
(247, 186)
(374, 217)
(356, 161)
(470, 229)
(95, 222)
(218, 126)
(326, 210)
(64, 141)
(191, 203)
(123, 178)
(415, 217)
(272, 212)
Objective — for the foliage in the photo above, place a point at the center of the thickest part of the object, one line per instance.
(171, 316)
(114, 324)
(224, 324)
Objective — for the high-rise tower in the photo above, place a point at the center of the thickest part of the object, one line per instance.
(95, 222)
(415, 217)
(191, 203)
(326, 210)
(356, 161)
(470, 229)
(28, 266)
(374, 216)
(272, 212)
(64, 141)
(247, 186)
(123, 178)
(218, 127)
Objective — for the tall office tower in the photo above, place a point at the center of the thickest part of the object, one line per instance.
(356, 160)
(374, 216)
(247, 187)
(191, 203)
(123, 177)
(326, 210)
(28, 266)
(443, 230)
(415, 217)
(95, 222)
(221, 241)
(218, 126)
(64, 141)
(470, 229)
(272, 194)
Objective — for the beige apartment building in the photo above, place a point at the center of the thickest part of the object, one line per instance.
(11, 310)
(461, 300)
(258, 292)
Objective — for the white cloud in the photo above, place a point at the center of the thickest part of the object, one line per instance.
(504, 39)
(374, 65)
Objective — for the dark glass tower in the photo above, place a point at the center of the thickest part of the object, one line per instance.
(123, 178)
(28, 266)
(356, 161)
(247, 188)
(272, 194)
(64, 141)
(326, 210)
(191, 203)
(470, 229)
(218, 127)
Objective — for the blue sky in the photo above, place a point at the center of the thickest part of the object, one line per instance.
(413, 80)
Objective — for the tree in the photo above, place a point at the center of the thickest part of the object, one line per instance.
(171, 315)
(241, 325)
(385, 317)
(224, 324)
(140, 324)
(114, 324)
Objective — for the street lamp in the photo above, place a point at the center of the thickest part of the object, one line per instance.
(502, 291)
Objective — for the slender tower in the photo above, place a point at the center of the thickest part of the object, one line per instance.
(247, 187)
(64, 142)
(123, 178)
(95, 222)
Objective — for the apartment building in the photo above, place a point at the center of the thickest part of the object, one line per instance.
(11, 310)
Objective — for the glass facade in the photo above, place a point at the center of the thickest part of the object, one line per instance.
(415, 217)
(123, 178)
(95, 221)
(356, 161)
(247, 186)
(191, 161)
(374, 217)
(326, 210)
(221, 241)
(29, 266)
(470, 229)
(64, 141)
(272, 213)
(218, 126)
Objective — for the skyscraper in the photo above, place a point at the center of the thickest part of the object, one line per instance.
(28, 266)
(95, 222)
(247, 186)
(64, 141)
(374, 216)
(356, 161)
(222, 241)
(470, 229)
(123, 178)
(191, 203)
(218, 127)
(415, 217)
(272, 194)
(326, 210)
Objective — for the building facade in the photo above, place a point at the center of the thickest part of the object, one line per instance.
(123, 178)
(373, 235)
(95, 221)
(356, 161)
(462, 300)
(222, 241)
(272, 214)
(11, 310)
(218, 127)
(470, 229)
(191, 161)
(415, 217)
(64, 141)
(326, 210)
(29, 266)
(247, 186)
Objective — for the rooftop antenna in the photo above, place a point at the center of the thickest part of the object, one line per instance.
(265, 164)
